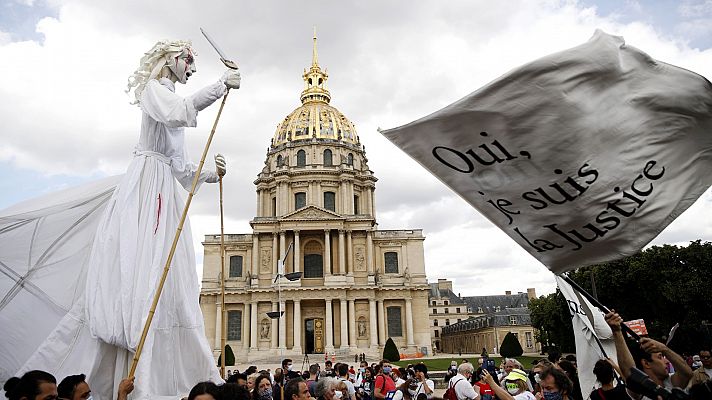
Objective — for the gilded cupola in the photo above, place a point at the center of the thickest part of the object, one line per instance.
(315, 118)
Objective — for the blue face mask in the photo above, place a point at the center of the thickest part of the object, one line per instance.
(386, 370)
(553, 396)
(266, 394)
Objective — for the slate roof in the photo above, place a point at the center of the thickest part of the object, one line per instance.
(501, 318)
(489, 304)
(448, 294)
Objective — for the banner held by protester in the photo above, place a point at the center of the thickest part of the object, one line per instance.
(593, 336)
(581, 157)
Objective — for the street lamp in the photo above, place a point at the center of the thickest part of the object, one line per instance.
(292, 276)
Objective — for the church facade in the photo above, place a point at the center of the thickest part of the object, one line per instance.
(351, 286)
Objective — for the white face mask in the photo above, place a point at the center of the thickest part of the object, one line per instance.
(513, 391)
(337, 394)
(182, 65)
(289, 367)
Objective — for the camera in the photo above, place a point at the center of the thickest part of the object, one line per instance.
(640, 383)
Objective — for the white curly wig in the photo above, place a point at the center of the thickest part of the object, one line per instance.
(151, 64)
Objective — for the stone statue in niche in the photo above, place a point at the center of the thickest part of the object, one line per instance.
(264, 329)
(361, 327)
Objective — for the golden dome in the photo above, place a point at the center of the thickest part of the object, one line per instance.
(315, 118)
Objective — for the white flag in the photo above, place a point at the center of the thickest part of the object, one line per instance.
(582, 157)
(594, 338)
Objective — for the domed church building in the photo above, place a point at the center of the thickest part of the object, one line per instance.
(345, 287)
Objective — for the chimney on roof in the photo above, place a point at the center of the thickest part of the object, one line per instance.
(444, 284)
(508, 292)
(531, 293)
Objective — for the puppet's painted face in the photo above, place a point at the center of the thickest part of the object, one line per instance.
(182, 65)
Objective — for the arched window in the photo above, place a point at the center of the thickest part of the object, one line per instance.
(301, 158)
(300, 200)
(280, 161)
(391, 262)
(350, 159)
(234, 325)
(328, 160)
(394, 322)
(235, 266)
(313, 260)
(330, 201)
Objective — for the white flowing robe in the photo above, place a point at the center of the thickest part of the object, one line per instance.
(133, 238)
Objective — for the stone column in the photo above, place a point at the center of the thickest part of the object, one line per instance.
(245, 326)
(342, 253)
(255, 254)
(373, 328)
(381, 323)
(297, 348)
(409, 322)
(275, 253)
(349, 254)
(369, 203)
(352, 325)
(327, 252)
(259, 203)
(253, 326)
(319, 197)
(329, 327)
(282, 248)
(344, 324)
(273, 328)
(282, 325)
(373, 202)
(218, 326)
(297, 253)
(369, 252)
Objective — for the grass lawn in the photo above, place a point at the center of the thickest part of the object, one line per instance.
(442, 364)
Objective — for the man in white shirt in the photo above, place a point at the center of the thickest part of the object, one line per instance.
(425, 386)
(461, 382)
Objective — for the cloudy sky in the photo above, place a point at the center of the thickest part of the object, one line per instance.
(66, 119)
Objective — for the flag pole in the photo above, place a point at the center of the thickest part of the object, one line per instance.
(223, 323)
(159, 289)
(598, 304)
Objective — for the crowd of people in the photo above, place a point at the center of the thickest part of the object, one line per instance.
(552, 378)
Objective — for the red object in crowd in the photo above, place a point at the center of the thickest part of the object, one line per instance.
(484, 388)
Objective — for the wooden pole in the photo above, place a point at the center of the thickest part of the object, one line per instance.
(157, 295)
(223, 322)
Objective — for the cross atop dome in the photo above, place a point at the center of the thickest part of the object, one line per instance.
(315, 80)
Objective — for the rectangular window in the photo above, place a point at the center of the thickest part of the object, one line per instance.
(234, 325)
(355, 204)
(235, 266)
(458, 310)
(300, 200)
(330, 201)
(395, 327)
(530, 341)
(435, 310)
(435, 322)
(447, 322)
(437, 334)
(512, 320)
(447, 311)
(391, 261)
(274, 206)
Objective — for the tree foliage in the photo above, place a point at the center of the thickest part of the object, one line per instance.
(550, 316)
(390, 351)
(510, 346)
(663, 285)
(229, 357)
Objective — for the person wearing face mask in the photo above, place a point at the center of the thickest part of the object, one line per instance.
(481, 386)
(288, 369)
(383, 383)
(515, 385)
(263, 388)
(555, 385)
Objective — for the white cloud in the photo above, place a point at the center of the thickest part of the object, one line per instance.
(389, 62)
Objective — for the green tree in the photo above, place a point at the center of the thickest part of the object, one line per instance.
(551, 318)
(390, 351)
(662, 285)
(510, 346)
(229, 357)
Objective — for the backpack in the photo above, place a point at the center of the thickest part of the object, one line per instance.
(450, 393)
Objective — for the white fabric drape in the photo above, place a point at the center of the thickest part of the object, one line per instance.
(128, 251)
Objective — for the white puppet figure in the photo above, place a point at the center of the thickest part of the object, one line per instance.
(136, 232)
(99, 334)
